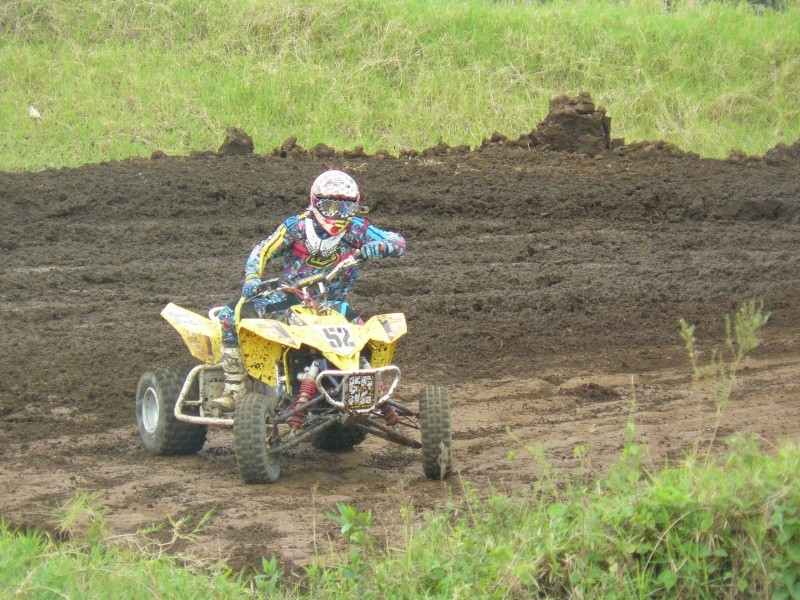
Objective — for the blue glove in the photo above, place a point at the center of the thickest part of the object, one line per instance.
(250, 287)
(377, 248)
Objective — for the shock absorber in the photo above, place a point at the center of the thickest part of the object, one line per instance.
(306, 390)
(391, 416)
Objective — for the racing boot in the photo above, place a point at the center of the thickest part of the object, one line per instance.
(234, 372)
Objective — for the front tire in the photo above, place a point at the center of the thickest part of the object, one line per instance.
(161, 433)
(250, 431)
(437, 440)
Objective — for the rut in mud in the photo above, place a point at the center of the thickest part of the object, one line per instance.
(543, 285)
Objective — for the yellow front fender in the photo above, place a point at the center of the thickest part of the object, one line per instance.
(262, 341)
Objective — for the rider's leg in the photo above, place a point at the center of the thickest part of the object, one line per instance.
(348, 312)
(232, 363)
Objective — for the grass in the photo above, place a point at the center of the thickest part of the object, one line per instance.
(694, 531)
(697, 530)
(113, 78)
(85, 565)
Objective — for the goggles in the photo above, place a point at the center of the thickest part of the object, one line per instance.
(336, 209)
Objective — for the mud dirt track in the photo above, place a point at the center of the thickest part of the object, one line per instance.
(543, 288)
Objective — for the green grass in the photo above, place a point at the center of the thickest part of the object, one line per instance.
(91, 563)
(692, 531)
(697, 530)
(32, 566)
(116, 78)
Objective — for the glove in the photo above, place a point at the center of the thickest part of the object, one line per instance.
(377, 248)
(250, 287)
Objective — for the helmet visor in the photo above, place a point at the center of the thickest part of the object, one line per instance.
(336, 209)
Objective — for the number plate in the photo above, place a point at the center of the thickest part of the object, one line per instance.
(360, 391)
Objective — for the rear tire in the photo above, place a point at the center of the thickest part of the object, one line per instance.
(250, 431)
(437, 440)
(338, 437)
(161, 433)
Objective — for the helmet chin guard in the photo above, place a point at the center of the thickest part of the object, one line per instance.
(332, 226)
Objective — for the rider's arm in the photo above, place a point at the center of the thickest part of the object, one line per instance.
(378, 242)
(260, 256)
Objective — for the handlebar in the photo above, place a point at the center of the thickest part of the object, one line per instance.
(300, 290)
(348, 262)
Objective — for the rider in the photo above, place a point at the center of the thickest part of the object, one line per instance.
(314, 241)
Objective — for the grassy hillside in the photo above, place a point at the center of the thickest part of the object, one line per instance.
(119, 78)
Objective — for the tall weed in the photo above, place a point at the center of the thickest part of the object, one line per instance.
(717, 377)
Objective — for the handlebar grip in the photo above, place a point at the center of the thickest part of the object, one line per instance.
(320, 277)
(309, 281)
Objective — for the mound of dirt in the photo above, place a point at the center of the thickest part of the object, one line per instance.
(236, 143)
(574, 125)
(543, 276)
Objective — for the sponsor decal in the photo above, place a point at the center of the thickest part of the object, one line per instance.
(320, 262)
(182, 317)
(278, 331)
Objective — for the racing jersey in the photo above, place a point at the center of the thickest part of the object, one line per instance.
(303, 252)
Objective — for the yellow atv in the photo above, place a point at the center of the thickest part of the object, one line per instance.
(312, 376)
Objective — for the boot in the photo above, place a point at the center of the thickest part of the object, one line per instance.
(234, 372)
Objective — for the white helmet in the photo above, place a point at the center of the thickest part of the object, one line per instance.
(335, 199)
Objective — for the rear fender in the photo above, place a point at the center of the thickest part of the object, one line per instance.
(201, 335)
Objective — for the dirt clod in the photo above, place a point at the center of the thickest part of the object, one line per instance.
(236, 143)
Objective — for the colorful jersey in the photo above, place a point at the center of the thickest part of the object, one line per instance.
(303, 254)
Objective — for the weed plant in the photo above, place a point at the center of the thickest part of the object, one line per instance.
(111, 79)
(717, 378)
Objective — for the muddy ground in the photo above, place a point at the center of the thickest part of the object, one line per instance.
(543, 285)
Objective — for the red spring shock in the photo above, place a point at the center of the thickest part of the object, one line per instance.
(308, 387)
(388, 412)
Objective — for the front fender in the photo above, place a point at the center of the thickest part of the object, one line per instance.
(261, 342)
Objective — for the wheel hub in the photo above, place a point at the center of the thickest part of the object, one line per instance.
(150, 406)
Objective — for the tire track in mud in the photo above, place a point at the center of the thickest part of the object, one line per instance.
(593, 409)
(557, 411)
(536, 284)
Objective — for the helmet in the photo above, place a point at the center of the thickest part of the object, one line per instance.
(335, 199)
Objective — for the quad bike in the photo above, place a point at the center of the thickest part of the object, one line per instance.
(311, 376)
